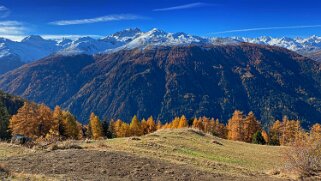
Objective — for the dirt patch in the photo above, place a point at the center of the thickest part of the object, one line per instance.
(105, 165)
(3, 171)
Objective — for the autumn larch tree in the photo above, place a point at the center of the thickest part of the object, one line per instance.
(286, 132)
(218, 129)
(197, 124)
(56, 131)
(266, 137)
(206, 124)
(235, 126)
(175, 122)
(315, 131)
(182, 122)
(95, 127)
(126, 130)
(118, 128)
(121, 129)
(159, 125)
(31, 121)
(144, 126)
(135, 127)
(151, 126)
(250, 127)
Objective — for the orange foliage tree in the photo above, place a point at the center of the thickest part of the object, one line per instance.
(32, 120)
(235, 126)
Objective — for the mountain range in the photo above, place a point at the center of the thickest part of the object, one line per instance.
(166, 81)
(13, 54)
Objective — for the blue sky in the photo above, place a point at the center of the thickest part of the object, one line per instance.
(223, 18)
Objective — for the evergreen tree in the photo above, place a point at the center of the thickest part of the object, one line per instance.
(70, 126)
(190, 122)
(111, 129)
(258, 138)
(275, 133)
(4, 123)
(105, 126)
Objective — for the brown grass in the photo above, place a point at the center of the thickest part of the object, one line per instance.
(190, 147)
(193, 147)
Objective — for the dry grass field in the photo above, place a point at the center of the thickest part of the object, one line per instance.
(180, 154)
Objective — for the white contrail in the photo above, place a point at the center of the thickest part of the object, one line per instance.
(267, 28)
(184, 6)
(118, 17)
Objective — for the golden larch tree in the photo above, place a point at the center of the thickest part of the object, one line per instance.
(265, 136)
(151, 124)
(175, 122)
(95, 127)
(144, 126)
(135, 127)
(159, 125)
(250, 127)
(315, 131)
(235, 126)
(182, 122)
(197, 124)
(31, 120)
(56, 130)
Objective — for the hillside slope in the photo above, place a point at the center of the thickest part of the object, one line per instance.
(181, 154)
(165, 82)
(316, 55)
(11, 103)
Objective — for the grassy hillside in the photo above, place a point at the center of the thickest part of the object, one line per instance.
(189, 146)
(165, 154)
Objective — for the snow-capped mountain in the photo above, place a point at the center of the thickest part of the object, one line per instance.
(301, 45)
(157, 37)
(31, 48)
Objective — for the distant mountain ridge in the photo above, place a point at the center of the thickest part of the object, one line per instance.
(166, 81)
(13, 54)
(300, 45)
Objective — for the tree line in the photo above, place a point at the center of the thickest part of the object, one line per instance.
(39, 122)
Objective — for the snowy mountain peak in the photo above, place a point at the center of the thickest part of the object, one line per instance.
(130, 32)
(156, 32)
(33, 38)
(35, 47)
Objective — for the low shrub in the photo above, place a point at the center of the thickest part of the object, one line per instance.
(304, 158)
